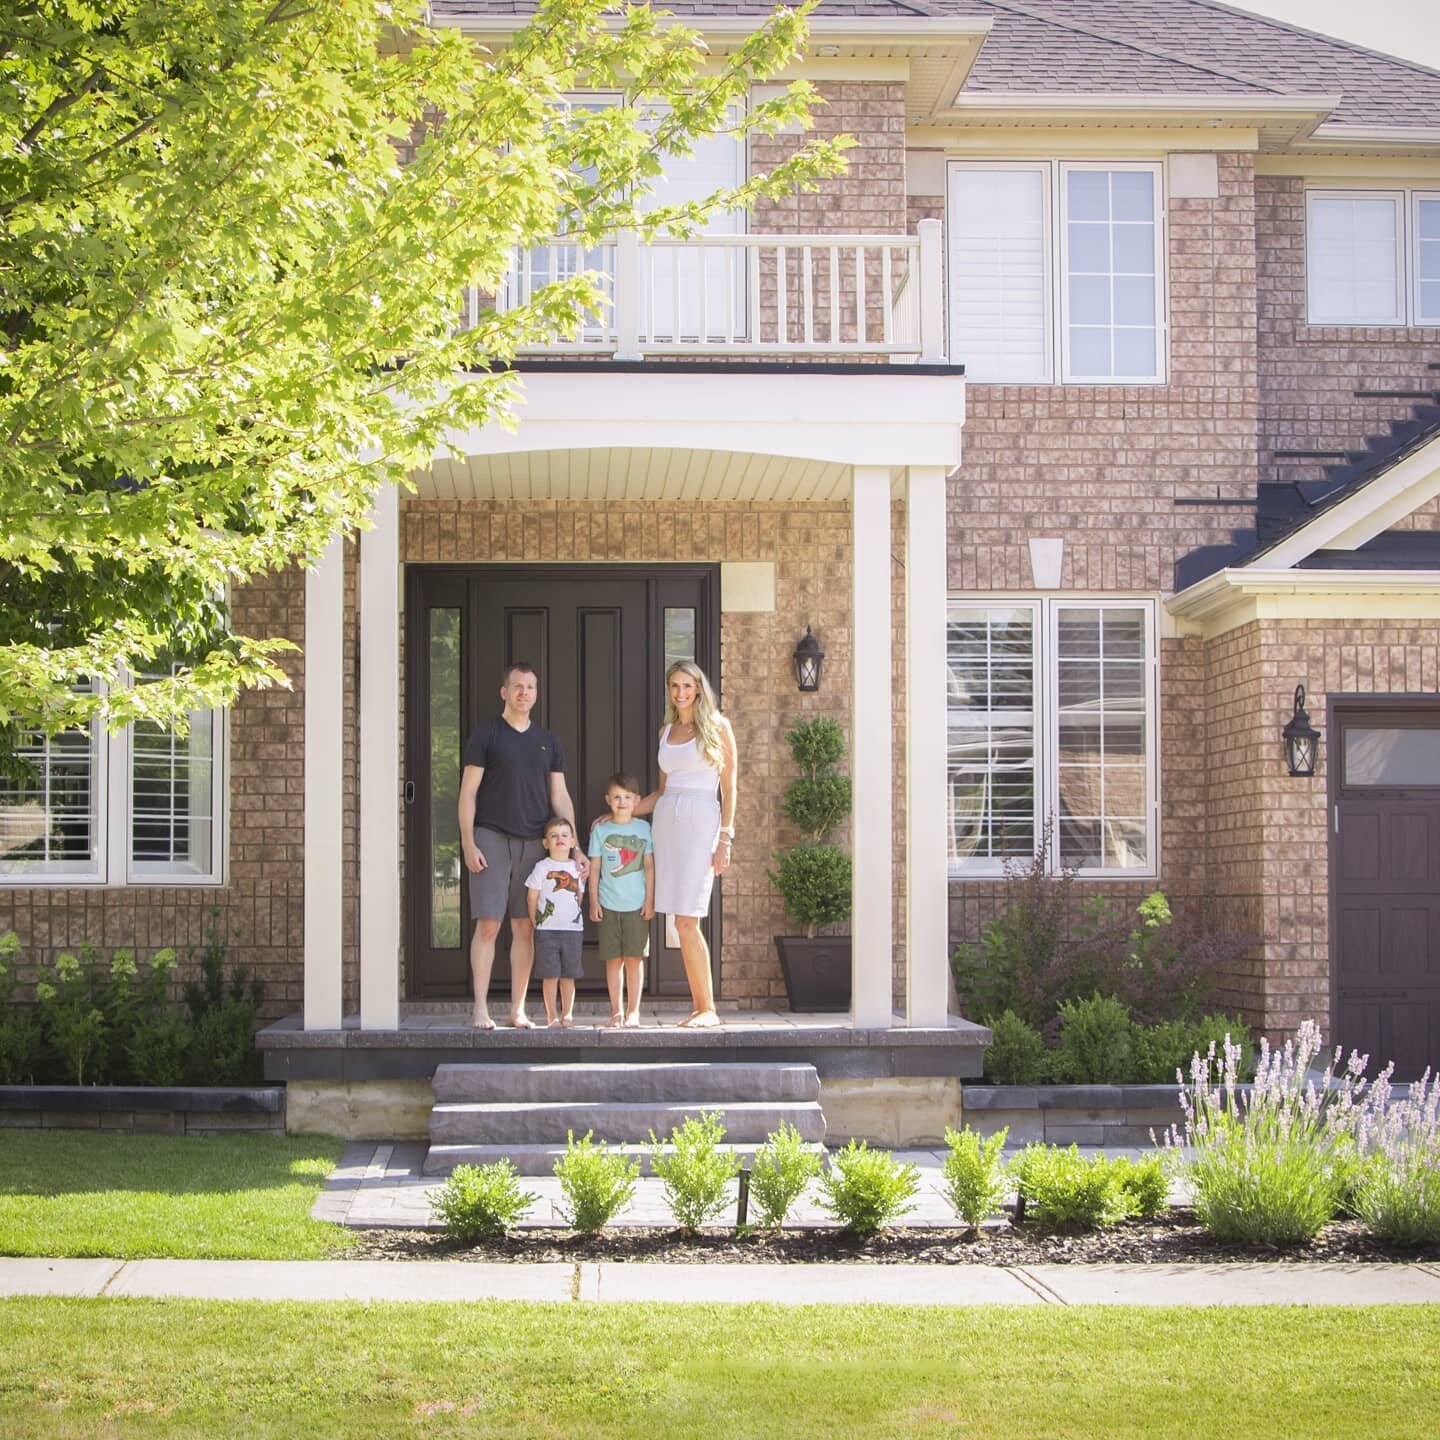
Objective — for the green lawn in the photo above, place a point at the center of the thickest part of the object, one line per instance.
(234, 1197)
(170, 1368)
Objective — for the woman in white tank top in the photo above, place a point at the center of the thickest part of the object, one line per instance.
(693, 817)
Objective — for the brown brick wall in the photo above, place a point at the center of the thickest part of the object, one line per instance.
(261, 908)
(1308, 373)
(1270, 852)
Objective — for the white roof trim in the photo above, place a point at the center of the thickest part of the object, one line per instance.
(1217, 593)
(1334, 136)
(1372, 509)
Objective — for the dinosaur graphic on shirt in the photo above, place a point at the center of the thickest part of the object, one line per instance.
(564, 880)
(624, 854)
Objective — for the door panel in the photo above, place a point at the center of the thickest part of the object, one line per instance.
(1385, 886)
(599, 638)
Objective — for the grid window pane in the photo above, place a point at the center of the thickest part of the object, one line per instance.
(1427, 261)
(1102, 773)
(49, 818)
(1112, 310)
(172, 798)
(991, 733)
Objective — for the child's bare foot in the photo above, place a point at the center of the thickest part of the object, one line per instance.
(553, 1023)
(479, 1020)
(616, 1021)
(521, 1021)
(632, 1020)
(567, 1022)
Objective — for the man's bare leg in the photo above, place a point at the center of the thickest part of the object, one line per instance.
(522, 957)
(482, 961)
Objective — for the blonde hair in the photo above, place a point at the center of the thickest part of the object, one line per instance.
(705, 714)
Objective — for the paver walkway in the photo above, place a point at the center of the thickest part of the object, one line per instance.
(820, 1284)
(379, 1186)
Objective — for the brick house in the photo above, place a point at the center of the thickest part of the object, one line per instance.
(1090, 414)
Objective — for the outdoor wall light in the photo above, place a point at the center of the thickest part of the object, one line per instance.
(1302, 739)
(808, 659)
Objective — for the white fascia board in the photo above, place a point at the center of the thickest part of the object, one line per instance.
(1333, 136)
(1225, 589)
(1371, 510)
(891, 418)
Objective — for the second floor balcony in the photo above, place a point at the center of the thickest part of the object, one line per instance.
(787, 297)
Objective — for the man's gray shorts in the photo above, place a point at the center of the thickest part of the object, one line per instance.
(499, 889)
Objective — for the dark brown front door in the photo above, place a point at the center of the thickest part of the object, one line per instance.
(600, 638)
(1385, 882)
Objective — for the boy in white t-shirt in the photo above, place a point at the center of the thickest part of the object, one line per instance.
(553, 891)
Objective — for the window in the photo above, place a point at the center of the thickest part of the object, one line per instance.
(1056, 269)
(1372, 257)
(1051, 728)
(1353, 267)
(142, 807)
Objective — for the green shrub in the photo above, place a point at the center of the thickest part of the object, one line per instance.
(697, 1172)
(1063, 1190)
(1165, 1050)
(479, 1202)
(1017, 1053)
(814, 882)
(19, 1026)
(1096, 1044)
(974, 1174)
(784, 1165)
(1398, 1194)
(865, 1189)
(70, 1015)
(1144, 1182)
(596, 1181)
(225, 1014)
(816, 806)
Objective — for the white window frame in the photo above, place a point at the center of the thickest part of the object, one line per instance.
(1045, 610)
(1399, 317)
(1057, 337)
(115, 867)
(1413, 250)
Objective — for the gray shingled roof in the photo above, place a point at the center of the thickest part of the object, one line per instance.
(1160, 47)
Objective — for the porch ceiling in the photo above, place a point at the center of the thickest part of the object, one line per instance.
(633, 474)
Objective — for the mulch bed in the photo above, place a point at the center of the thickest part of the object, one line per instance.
(1170, 1240)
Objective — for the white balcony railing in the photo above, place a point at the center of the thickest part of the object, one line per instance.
(825, 296)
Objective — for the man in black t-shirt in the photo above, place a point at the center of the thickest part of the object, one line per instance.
(512, 783)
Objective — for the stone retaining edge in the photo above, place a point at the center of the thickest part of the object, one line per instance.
(160, 1109)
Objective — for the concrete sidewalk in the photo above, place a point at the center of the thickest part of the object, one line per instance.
(813, 1284)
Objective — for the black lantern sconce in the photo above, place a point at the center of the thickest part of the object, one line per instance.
(1302, 739)
(808, 658)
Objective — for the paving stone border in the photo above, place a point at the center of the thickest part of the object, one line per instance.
(144, 1109)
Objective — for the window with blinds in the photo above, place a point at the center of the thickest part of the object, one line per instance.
(1354, 265)
(1051, 726)
(173, 799)
(1056, 270)
(49, 820)
(1427, 259)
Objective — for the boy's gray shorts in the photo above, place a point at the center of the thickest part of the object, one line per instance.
(558, 954)
(499, 889)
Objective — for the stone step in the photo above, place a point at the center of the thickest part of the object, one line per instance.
(695, 1083)
(535, 1160)
(549, 1122)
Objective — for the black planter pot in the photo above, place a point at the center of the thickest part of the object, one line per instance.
(817, 972)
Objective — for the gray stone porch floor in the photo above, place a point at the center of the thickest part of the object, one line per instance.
(379, 1186)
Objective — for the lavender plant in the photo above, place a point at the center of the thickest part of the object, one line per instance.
(1398, 1195)
(1273, 1166)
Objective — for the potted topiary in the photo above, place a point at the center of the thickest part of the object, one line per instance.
(814, 878)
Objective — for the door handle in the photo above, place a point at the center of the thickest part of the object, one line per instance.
(409, 792)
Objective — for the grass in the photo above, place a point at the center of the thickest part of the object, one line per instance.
(136, 1368)
(224, 1197)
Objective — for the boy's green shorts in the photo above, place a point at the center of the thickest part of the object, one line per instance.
(623, 935)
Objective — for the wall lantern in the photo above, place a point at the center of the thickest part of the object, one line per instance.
(808, 659)
(1302, 739)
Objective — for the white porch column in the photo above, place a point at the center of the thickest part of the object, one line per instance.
(872, 714)
(380, 766)
(927, 939)
(324, 792)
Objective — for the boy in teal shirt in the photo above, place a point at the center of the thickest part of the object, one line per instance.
(622, 896)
